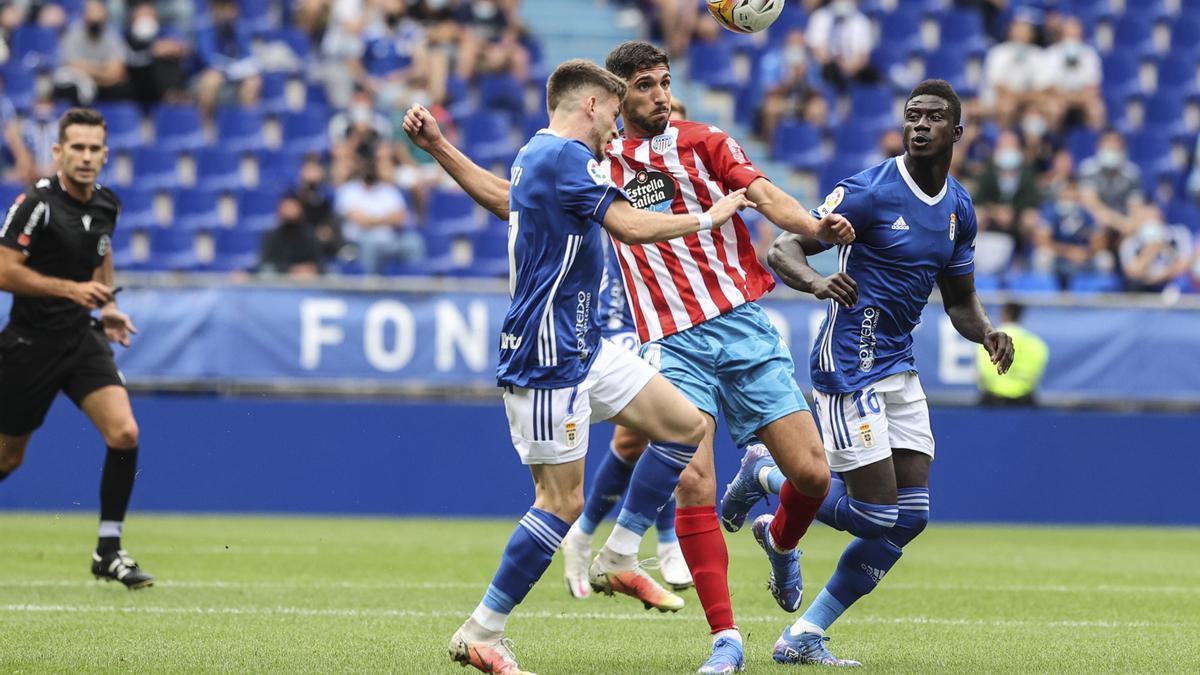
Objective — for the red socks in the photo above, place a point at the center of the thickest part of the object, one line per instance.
(703, 547)
(795, 513)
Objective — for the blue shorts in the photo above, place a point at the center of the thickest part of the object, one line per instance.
(736, 363)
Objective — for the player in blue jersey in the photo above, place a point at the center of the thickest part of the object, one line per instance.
(915, 226)
(558, 374)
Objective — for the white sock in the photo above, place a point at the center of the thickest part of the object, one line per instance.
(577, 537)
(111, 528)
(489, 619)
(802, 626)
(623, 541)
(732, 633)
(763, 474)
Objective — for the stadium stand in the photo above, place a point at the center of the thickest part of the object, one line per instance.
(491, 97)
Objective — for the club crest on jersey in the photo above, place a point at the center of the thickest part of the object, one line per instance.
(868, 438)
(103, 245)
(662, 143)
(953, 225)
(832, 200)
(735, 149)
(87, 222)
(572, 434)
(651, 190)
(597, 172)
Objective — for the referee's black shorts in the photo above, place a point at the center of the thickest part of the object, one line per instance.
(35, 367)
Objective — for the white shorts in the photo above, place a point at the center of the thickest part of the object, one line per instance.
(862, 428)
(550, 426)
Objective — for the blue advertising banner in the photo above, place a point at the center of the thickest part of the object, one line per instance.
(254, 334)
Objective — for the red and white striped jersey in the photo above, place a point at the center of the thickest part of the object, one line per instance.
(674, 285)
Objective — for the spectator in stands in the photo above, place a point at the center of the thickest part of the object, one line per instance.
(1018, 386)
(39, 130)
(291, 248)
(1069, 239)
(815, 111)
(394, 55)
(1052, 181)
(93, 56)
(1013, 74)
(357, 131)
(226, 54)
(1193, 180)
(1110, 180)
(375, 218)
(498, 25)
(16, 164)
(178, 15)
(841, 39)
(788, 75)
(1006, 197)
(1155, 253)
(316, 199)
(155, 56)
(1072, 69)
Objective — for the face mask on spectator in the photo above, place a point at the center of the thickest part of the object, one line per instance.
(1008, 159)
(144, 28)
(842, 7)
(360, 114)
(1110, 159)
(1034, 125)
(1153, 231)
(95, 29)
(794, 56)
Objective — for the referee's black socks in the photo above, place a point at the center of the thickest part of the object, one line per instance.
(116, 484)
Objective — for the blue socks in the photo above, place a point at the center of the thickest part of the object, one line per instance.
(653, 482)
(608, 485)
(525, 559)
(866, 560)
(665, 525)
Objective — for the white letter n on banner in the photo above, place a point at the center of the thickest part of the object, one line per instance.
(314, 332)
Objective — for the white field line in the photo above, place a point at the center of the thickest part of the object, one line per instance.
(255, 549)
(481, 584)
(558, 616)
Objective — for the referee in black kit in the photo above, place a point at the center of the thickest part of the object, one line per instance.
(56, 260)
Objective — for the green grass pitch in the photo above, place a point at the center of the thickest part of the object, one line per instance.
(259, 594)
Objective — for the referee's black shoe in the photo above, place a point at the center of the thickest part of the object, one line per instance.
(118, 566)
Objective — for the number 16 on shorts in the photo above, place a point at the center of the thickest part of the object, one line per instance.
(862, 427)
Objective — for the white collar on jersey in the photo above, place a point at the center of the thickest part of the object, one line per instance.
(548, 131)
(916, 189)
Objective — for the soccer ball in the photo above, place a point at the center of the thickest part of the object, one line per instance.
(745, 16)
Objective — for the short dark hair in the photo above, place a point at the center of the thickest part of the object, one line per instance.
(942, 90)
(629, 57)
(82, 116)
(1014, 311)
(575, 74)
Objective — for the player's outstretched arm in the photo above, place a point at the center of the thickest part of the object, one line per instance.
(971, 321)
(789, 258)
(635, 226)
(786, 211)
(19, 279)
(486, 188)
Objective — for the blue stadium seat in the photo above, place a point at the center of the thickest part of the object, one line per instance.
(279, 168)
(1151, 151)
(240, 129)
(459, 103)
(1185, 35)
(274, 93)
(985, 283)
(9, 192)
(800, 145)
(712, 65)
(122, 248)
(1098, 282)
(873, 109)
(1133, 35)
(155, 169)
(850, 141)
(963, 29)
(950, 64)
(124, 122)
(306, 130)
(172, 248)
(452, 211)
(34, 48)
(256, 16)
(439, 259)
(487, 139)
(177, 128)
(502, 92)
(137, 209)
(1120, 72)
(19, 83)
(1081, 143)
(218, 170)
(196, 209)
(1177, 73)
(490, 253)
(236, 249)
(1090, 12)
(1164, 114)
(256, 209)
(1183, 212)
(1031, 282)
(297, 40)
(902, 29)
(836, 170)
